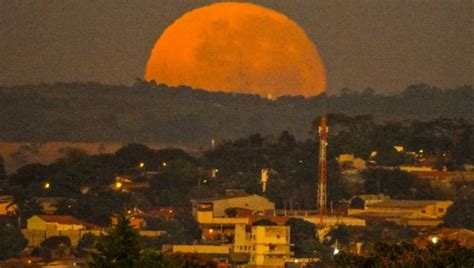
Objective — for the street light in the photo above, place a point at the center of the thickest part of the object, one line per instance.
(118, 185)
(164, 164)
(46, 185)
(141, 165)
(435, 240)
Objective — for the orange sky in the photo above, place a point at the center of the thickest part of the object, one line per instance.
(240, 48)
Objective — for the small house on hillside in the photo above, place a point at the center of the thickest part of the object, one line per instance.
(56, 223)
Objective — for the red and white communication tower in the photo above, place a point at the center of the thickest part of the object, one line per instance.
(323, 143)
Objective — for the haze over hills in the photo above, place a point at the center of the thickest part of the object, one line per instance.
(158, 114)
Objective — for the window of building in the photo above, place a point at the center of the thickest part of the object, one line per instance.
(440, 210)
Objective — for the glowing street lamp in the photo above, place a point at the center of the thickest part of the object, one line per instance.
(46, 185)
(118, 185)
(435, 240)
(141, 165)
(336, 250)
(164, 164)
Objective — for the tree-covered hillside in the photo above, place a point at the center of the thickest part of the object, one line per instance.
(150, 113)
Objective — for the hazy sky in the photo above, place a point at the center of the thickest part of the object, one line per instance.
(385, 44)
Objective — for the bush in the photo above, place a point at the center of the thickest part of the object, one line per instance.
(54, 242)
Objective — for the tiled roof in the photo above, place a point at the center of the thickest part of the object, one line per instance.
(62, 219)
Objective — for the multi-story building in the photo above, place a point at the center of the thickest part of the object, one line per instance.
(213, 213)
(232, 199)
(258, 245)
(266, 245)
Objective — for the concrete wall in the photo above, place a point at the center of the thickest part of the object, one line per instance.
(35, 237)
(202, 249)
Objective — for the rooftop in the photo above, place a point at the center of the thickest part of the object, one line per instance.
(393, 203)
(62, 219)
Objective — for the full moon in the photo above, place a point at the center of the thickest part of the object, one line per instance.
(237, 47)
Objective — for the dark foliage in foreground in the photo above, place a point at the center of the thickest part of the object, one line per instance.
(446, 253)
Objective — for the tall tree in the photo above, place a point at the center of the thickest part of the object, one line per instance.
(2, 169)
(12, 241)
(461, 214)
(120, 248)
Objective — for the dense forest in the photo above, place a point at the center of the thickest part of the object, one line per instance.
(150, 113)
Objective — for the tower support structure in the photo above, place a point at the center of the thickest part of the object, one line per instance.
(323, 143)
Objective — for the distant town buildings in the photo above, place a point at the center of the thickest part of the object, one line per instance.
(404, 212)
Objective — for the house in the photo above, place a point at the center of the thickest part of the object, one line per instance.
(56, 223)
(232, 199)
(405, 212)
(350, 164)
(41, 227)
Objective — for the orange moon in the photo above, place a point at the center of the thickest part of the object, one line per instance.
(237, 47)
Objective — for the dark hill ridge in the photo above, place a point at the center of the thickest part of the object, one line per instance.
(149, 113)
